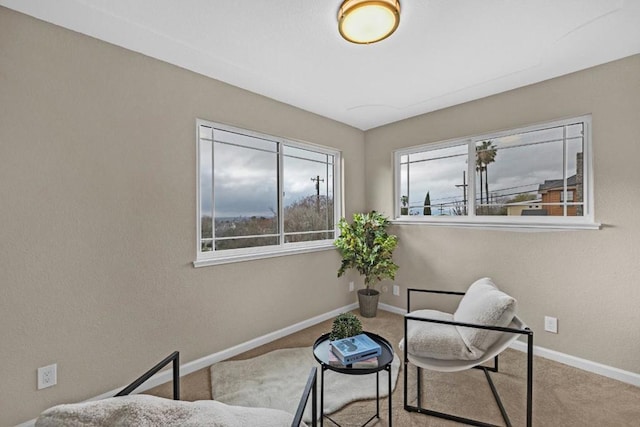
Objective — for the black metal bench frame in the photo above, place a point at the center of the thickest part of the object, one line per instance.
(310, 389)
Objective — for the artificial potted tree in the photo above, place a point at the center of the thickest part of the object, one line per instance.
(366, 246)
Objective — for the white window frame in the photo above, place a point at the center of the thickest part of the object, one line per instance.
(516, 223)
(206, 258)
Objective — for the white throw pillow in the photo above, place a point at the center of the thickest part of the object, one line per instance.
(435, 340)
(483, 304)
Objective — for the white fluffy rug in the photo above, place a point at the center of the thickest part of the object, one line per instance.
(276, 380)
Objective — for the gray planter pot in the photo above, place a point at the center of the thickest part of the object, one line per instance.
(368, 300)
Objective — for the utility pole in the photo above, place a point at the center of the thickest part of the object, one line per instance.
(464, 186)
(317, 181)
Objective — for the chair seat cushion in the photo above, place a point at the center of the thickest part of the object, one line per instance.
(435, 340)
(483, 304)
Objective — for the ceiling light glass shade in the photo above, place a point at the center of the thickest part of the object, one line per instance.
(368, 21)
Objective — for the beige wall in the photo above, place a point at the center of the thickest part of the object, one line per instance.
(97, 206)
(589, 280)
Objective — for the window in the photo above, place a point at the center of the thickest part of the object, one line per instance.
(260, 195)
(538, 176)
(569, 196)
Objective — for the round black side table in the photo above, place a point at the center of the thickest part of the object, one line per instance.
(321, 353)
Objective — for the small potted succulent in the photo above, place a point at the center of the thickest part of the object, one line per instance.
(366, 246)
(345, 325)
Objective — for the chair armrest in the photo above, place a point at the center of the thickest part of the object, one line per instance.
(309, 389)
(431, 291)
(173, 358)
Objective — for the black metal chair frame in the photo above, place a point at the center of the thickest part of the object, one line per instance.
(525, 332)
(173, 357)
(310, 388)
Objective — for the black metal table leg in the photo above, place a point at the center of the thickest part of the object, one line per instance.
(390, 399)
(322, 396)
(378, 394)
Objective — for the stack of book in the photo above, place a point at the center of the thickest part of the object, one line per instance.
(359, 351)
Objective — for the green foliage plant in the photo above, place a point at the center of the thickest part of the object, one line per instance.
(344, 326)
(366, 246)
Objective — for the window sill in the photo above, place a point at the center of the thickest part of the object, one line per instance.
(500, 224)
(249, 256)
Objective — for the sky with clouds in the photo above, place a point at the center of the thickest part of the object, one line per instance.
(522, 163)
(245, 175)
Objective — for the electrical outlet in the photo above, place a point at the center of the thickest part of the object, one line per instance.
(351, 287)
(551, 324)
(396, 290)
(47, 376)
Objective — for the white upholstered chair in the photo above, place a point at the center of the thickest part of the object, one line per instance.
(483, 326)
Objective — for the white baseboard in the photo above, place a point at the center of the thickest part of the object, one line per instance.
(584, 364)
(392, 309)
(576, 362)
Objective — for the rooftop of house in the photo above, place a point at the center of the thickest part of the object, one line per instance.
(557, 184)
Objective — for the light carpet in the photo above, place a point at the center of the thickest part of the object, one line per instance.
(277, 379)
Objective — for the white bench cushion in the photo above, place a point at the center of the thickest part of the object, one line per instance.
(149, 411)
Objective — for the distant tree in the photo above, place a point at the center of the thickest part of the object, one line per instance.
(308, 214)
(311, 213)
(206, 226)
(206, 232)
(485, 154)
(427, 204)
(458, 208)
(243, 226)
(522, 198)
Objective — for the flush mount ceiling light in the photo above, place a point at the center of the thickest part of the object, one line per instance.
(368, 21)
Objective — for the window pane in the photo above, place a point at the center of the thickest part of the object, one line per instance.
(524, 174)
(575, 171)
(575, 131)
(509, 179)
(260, 191)
(245, 194)
(247, 141)
(404, 187)
(308, 237)
(436, 182)
(308, 194)
(290, 151)
(206, 201)
(246, 242)
(205, 132)
(536, 171)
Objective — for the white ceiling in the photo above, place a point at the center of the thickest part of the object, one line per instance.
(445, 52)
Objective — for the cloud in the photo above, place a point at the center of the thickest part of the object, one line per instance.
(245, 180)
(522, 163)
